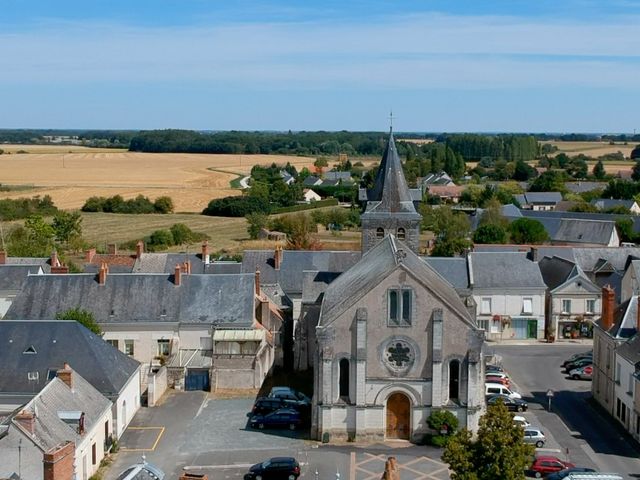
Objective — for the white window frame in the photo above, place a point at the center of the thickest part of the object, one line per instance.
(129, 343)
(164, 347)
(524, 305)
(568, 302)
(590, 301)
(485, 301)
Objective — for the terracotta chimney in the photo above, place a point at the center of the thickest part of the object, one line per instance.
(277, 257)
(608, 307)
(66, 375)
(187, 267)
(27, 420)
(58, 462)
(257, 283)
(3, 257)
(176, 275)
(89, 255)
(54, 259)
(60, 269)
(112, 249)
(205, 252)
(102, 274)
(139, 249)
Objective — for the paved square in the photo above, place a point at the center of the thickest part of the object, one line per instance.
(367, 466)
(141, 439)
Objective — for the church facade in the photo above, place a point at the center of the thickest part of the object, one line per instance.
(394, 340)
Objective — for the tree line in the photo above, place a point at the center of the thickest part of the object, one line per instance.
(117, 204)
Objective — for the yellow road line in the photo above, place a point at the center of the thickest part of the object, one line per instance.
(155, 443)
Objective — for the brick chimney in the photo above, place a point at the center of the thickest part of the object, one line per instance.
(58, 462)
(54, 259)
(205, 252)
(60, 269)
(176, 275)
(66, 375)
(102, 274)
(608, 307)
(277, 257)
(257, 282)
(187, 267)
(27, 420)
(3, 257)
(89, 254)
(112, 249)
(139, 249)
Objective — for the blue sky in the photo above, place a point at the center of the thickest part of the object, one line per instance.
(278, 65)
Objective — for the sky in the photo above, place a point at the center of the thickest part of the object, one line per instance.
(477, 66)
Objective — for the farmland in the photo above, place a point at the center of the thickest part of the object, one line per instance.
(592, 149)
(191, 180)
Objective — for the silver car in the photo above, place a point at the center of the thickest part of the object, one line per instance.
(534, 436)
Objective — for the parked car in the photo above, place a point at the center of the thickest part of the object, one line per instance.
(276, 468)
(534, 436)
(285, 417)
(499, 389)
(492, 379)
(497, 374)
(290, 396)
(264, 405)
(565, 473)
(544, 465)
(513, 404)
(493, 368)
(576, 357)
(520, 420)
(577, 364)
(582, 373)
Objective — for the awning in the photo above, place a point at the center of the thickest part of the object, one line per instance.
(239, 335)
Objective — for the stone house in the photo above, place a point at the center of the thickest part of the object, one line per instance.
(626, 389)
(68, 422)
(539, 200)
(36, 349)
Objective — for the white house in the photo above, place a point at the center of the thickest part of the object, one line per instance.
(627, 368)
(310, 196)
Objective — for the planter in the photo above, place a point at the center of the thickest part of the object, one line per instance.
(551, 338)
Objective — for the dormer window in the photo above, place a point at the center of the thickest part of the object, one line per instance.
(30, 350)
(379, 232)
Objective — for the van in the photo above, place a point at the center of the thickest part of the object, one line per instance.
(497, 389)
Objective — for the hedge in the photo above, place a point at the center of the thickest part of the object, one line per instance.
(327, 202)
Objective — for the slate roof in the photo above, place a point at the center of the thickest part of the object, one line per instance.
(294, 263)
(453, 270)
(134, 298)
(530, 198)
(581, 187)
(540, 215)
(584, 231)
(440, 178)
(607, 203)
(45, 263)
(624, 319)
(333, 175)
(56, 342)
(50, 430)
(376, 264)
(555, 270)
(630, 350)
(390, 193)
(311, 181)
(223, 267)
(12, 277)
(588, 258)
(505, 270)
(314, 284)
(448, 191)
(166, 263)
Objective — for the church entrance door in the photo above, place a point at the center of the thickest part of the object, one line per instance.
(398, 416)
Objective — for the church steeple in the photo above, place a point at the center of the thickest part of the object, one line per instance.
(390, 208)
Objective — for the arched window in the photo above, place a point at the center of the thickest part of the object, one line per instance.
(344, 379)
(454, 379)
(401, 234)
(379, 232)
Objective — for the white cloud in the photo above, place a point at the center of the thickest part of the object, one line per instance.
(410, 51)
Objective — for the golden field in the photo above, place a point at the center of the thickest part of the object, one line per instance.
(189, 179)
(592, 149)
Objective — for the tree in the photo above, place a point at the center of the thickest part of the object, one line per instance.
(523, 171)
(160, 239)
(256, 222)
(320, 163)
(490, 233)
(452, 230)
(550, 181)
(498, 452)
(528, 230)
(635, 153)
(635, 175)
(67, 225)
(181, 233)
(163, 205)
(598, 170)
(298, 228)
(81, 316)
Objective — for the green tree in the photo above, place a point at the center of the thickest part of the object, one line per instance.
(180, 233)
(635, 153)
(298, 228)
(452, 230)
(163, 205)
(492, 214)
(81, 316)
(550, 181)
(528, 230)
(321, 162)
(160, 240)
(636, 171)
(490, 233)
(598, 170)
(256, 222)
(625, 230)
(67, 225)
(498, 452)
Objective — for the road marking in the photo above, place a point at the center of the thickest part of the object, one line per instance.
(203, 405)
(352, 466)
(155, 443)
(222, 467)
(553, 450)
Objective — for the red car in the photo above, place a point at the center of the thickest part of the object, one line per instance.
(548, 464)
(501, 380)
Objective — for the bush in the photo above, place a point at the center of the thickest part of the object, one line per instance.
(236, 207)
(14, 209)
(440, 420)
(439, 441)
(117, 204)
(163, 205)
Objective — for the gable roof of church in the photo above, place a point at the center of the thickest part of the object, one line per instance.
(390, 192)
(378, 263)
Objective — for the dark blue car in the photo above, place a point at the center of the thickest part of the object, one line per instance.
(285, 417)
(565, 473)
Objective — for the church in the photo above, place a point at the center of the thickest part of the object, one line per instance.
(390, 339)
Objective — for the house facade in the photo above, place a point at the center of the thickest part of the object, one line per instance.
(627, 358)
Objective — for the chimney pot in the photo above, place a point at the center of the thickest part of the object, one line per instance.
(3, 257)
(61, 269)
(112, 249)
(257, 282)
(27, 420)
(277, 257)
(139, 249)
(608, 307)
(187, 264)
(66, 375)
(176, 275)
(205, 252)
(90, 254)
(102, 274)
(54, 259)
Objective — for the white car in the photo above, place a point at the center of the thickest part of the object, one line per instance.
(498, 389)
(497, 374)
(520, 420)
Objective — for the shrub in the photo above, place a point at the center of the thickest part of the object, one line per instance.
(163, 205)
(236, 207)
(13, 209)
(117, 204)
